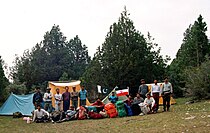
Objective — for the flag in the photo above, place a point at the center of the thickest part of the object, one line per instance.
(123, 92)
(99, 88)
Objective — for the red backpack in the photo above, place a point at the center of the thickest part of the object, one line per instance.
(111, 110)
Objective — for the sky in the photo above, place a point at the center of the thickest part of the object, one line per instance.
(23, 23)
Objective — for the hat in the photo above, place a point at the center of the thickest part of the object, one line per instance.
(48, 88)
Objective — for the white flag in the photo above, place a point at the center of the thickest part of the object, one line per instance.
(99, 88)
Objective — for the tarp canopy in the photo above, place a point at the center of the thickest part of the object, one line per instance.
(18, 103)
(61, 85)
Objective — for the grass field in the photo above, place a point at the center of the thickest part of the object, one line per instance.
(182, 118)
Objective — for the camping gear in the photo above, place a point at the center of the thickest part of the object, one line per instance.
(128, 110)
(18, 103)
(94, 115)
(135, 109)
(104, 114)
(92, 108)
(121, 109)
(61, 85)
(144, 108)
(111, 110)
(82, 113)
(17, 115)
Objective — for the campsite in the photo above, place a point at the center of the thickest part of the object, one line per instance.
(183, 118)
(98, 66)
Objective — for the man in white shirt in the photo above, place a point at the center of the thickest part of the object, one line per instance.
(48, 100)
(167, 90)
(155, 92)
(40, 115)
(150, 103)
(58, 99)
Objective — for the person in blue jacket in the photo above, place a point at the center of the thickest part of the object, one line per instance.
(113, 98)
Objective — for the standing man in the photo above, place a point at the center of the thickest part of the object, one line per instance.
(74, 97)
(143, 89)
(37, 98)
(167, 90)
(66, 99)
(83, 96)
(48, 100)
(58, 99)
(155, 92)
(113, 98)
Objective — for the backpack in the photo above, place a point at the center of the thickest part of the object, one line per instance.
(111, 110)
(94, 115)
(128, 110)
(121, 109)
(17, 115)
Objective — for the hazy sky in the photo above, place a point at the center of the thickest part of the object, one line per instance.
(23, 23)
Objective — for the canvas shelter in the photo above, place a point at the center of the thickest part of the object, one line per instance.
(106, 99)
(18, 103)
(61, 85)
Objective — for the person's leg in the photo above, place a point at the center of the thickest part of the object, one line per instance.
(50, 107)
(164, 103)
(46, 106)
(65, 104)
(168, 102)
(156, 98)
(75, 103)
(56, 107)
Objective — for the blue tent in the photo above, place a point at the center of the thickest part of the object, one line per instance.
(18, 103)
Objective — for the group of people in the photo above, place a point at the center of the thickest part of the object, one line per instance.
(144, 102)
(148, 100)
(38, 99)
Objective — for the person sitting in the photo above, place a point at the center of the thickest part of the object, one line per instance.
(150, 103)
(135, 106)
(113, 98)
(129, 100)
(40, 115)
(98, 104)
(138, 99)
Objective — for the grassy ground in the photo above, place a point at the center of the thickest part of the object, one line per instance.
(182, 118)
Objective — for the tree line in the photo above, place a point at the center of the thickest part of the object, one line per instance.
(125, 57)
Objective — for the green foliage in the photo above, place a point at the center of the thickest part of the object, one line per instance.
(126, 56)
(18, 89)
(64, 77)
(192, 53)
(3, 81)
(49, 59)
(198, 81)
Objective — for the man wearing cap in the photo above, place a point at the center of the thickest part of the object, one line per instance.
(74, 97)
(48, 100)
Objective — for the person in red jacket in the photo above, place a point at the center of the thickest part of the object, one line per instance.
(98, 104)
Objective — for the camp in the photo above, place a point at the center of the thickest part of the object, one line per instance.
(18, 103)
(61, 85)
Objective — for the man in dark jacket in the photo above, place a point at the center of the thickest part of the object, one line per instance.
(37, 98)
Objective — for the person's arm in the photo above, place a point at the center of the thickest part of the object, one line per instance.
(151, 90)
(41, 100)
(139, 91)
(145, 101)
(171, 89)
(45, 112)
(153, 101)
(34, 117)
(34, 99)
(45, 96)
(79, 94)
(50, 96)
